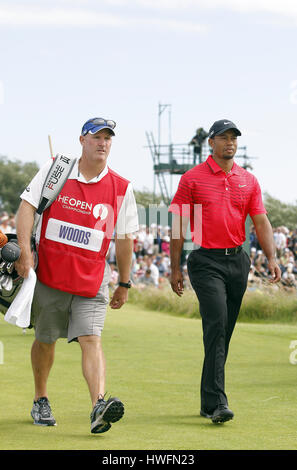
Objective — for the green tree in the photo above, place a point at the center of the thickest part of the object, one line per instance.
(280, 213)
(14, 177)
(146, 197)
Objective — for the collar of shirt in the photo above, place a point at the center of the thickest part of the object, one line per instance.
(235, 170)
(76, 175)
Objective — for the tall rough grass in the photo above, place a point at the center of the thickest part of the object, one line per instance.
(270, 306)
(265, 305)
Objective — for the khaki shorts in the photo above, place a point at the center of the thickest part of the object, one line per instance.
(57, 314)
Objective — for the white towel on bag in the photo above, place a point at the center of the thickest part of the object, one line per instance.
(19, 312)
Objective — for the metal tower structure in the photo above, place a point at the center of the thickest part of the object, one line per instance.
(170, 159)
(246, 164)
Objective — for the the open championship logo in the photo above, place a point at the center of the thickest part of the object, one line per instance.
(100, 211)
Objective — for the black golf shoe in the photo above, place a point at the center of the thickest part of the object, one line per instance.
(222, 414)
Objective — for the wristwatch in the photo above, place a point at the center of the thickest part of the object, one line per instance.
(126, 284)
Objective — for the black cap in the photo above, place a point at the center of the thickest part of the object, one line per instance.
(221, 126)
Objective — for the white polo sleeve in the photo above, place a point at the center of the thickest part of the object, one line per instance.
(33, 191)
(127, 221)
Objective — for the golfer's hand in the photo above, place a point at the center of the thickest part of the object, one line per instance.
(275, 271)
(177, 283)
(120, 296)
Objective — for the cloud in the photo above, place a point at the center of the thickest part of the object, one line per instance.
(130, 13)
(283, 7)
(34, 15)
(19, 15)
(173, 25)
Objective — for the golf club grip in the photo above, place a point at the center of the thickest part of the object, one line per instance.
(10, 252)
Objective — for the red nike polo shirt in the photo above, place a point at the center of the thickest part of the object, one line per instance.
(217, 203)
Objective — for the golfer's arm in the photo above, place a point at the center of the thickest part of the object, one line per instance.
(265, 235)
(177, 239)
(124, 251)
(176, 246)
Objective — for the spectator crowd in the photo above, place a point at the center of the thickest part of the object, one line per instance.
(7, 223)
(151, 260)
(286, 257)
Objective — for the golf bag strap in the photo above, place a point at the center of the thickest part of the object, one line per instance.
(54, 182)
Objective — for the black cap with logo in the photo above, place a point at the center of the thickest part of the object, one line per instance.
(221, 126)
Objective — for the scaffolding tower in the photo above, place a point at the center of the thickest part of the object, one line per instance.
(170, 159)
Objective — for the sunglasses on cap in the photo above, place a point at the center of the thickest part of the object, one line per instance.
(96, 124)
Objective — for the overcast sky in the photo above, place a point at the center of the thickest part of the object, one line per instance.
(64, 61)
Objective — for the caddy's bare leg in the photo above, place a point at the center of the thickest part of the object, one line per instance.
(42, 358)
(93, 365)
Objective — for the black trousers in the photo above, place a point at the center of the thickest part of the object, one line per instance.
(219, 281)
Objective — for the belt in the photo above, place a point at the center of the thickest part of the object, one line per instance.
(222, 251)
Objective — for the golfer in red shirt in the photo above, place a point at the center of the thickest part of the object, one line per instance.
(216, 196)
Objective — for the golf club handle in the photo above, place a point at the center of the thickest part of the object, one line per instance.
(10, 252)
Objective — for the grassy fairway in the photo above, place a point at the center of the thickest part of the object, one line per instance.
(154, 363)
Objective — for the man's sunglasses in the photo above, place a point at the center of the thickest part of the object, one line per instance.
(89, 125)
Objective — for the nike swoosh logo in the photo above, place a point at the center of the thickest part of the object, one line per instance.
(226, 122)
(241, 185)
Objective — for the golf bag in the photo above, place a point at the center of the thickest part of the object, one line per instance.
(10, 281)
